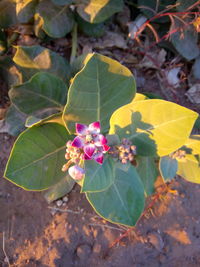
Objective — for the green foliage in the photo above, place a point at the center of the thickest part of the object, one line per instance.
(90, 29)
(38, 95)
(148, 173)
(102, 90)
(185, 41)
(25, 10)
(89, 97)
(56, 21)
(96, 11)
(56, 17)
(123, 201)
(37, 157)
(168, 168)
(97, 177)
(32, 59)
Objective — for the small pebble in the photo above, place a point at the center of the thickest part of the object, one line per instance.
(65, 199)
(59, 203)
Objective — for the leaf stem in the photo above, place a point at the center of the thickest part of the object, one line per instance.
(74, 43)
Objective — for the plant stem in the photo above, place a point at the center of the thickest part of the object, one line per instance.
(74, 43)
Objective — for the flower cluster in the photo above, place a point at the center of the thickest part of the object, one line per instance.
(124, 152)
(87, 145)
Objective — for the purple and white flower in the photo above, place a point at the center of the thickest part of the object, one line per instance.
(89, 139)
(87, 145)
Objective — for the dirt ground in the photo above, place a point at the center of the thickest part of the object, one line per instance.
(36, 234)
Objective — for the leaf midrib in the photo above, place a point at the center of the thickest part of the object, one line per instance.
(37, 160)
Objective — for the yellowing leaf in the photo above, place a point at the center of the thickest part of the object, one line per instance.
(156, 127)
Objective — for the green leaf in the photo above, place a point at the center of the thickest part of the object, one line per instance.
(32, 120)
(190, 168)
(37, 157)
(96, 11)
(168, 168)
(155, 126)
(98, 177)
(44, 92)
(60, 189)
(123, 201)
(90, 29)
(185, 41)
(15, 120)
(97, 90)
(62, 2)
(57, 20)
(7, 13)
(25, 10)
(148, 173)
(32, 59)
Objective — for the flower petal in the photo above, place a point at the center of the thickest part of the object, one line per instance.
(76, 172)
(89, 149)
(95, 127)
(100, 140)
(105, 148)
(99, 158)
(78, 142)
(81, 129)
(86, 157)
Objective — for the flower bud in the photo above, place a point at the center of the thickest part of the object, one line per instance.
(76, 172)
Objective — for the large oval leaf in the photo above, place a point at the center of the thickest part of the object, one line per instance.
(43, 91)
(96, 11)
(168, 168)
(37, 157)
(32, 59)
(57, 20)
(148, 173)
(155, 126)
(123, 201)
(98, 177)
(97, 90)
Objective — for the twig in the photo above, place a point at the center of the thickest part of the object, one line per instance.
(106, 226)
(64, 210)
(4, 251)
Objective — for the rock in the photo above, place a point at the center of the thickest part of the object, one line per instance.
(65, 199)
(59, 203)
